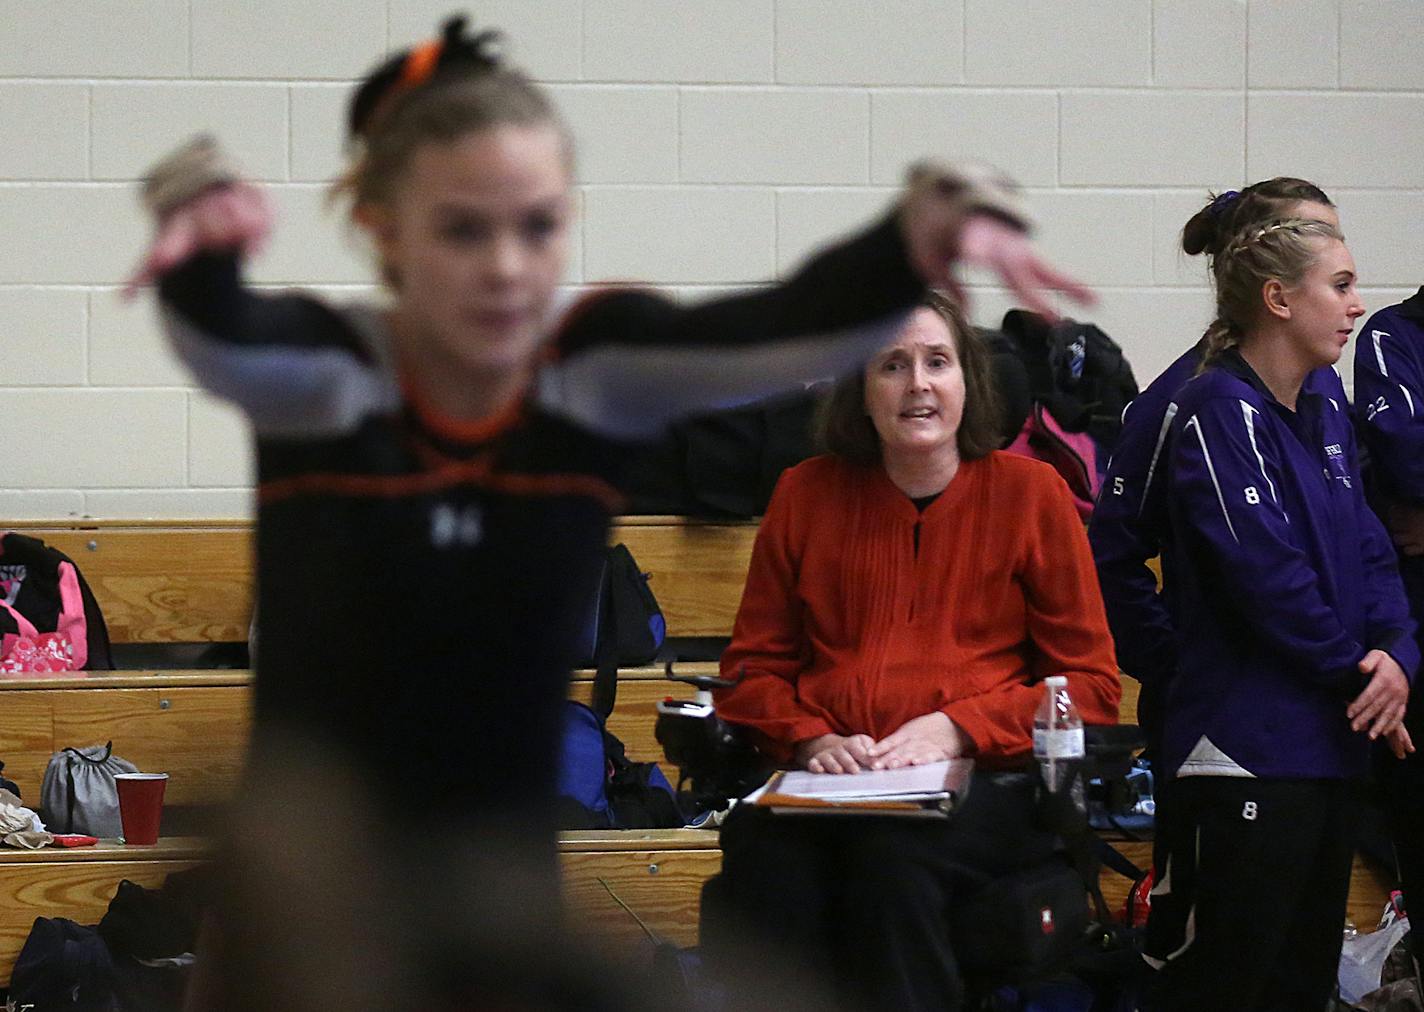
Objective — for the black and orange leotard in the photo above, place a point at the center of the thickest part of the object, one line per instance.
(422, 583)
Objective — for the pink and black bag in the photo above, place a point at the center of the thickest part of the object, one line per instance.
(49, 620)
(1074, 455)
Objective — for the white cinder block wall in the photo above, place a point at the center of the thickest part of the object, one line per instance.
(720, 140)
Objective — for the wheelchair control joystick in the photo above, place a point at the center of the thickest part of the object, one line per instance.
(714, 761)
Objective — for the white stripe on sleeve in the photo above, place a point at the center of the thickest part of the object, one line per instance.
(1167, 417)
(1375, 339)
(1249, 414)
(1211, 470)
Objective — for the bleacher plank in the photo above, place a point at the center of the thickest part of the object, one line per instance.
(193, 726)
(1127, 706)
(26, 738)
(177, 582)
(79, 883)
(195, 734)
(172, 583)
(698, 568)
(658, 874)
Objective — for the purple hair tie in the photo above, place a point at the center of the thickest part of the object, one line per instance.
(1223, 203)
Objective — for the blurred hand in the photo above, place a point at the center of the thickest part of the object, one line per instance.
(233, 218)
(921, 740)
(1380, 708)
(939, 234)
(834, 753)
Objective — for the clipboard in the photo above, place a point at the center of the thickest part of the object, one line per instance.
(932, 791)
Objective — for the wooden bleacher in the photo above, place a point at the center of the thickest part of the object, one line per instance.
(182, 583)
(191, 583)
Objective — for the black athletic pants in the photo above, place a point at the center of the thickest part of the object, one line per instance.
(1249, 904)
(859, 907)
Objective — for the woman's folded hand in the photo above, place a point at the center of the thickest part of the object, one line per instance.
(921, 740)
(834, 753)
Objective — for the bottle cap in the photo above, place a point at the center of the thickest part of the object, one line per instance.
(1056, 681)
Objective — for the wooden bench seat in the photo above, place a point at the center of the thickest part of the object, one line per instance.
(655, 874)
(79, 883)
(174, 582)
(190, 582)
(194, 725)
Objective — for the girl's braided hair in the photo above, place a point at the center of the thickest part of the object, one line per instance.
(1283, 250)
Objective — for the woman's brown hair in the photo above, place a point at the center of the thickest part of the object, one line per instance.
(843, 427)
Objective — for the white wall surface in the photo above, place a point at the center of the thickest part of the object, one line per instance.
(720, 140)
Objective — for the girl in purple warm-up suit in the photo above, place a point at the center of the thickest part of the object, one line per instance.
(1295, 648)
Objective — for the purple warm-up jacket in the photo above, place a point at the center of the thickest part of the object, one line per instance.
(1282, 577)
(1389, 392)
(1389, 409)
(1129, 526)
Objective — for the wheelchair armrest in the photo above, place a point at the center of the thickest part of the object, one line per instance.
(1109, 741)
(716, 758)
(1109, 748)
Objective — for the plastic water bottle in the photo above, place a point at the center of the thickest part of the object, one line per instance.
(1057, 733)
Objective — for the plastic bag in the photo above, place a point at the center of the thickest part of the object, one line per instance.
(1362, 957)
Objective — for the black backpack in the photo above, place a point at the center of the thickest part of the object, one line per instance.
(1010, 382)
(724, 464)
(599, 786)
(42, 592)
(1075, 371)
(63, 965)
(625, 627)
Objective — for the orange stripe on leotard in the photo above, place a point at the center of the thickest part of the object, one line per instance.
(479, 473)
(461, 430)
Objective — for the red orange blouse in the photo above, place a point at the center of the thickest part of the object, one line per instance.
(846, 626)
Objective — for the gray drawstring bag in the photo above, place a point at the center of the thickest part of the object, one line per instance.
(79, 794)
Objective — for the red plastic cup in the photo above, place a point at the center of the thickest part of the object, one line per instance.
(141, 805)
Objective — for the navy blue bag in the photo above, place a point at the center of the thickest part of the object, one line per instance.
(598, 786)
(601, 788)
(625, 625)
(583, 771)
(63, 965)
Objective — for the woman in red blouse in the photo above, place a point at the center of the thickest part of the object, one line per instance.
(907, 594)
